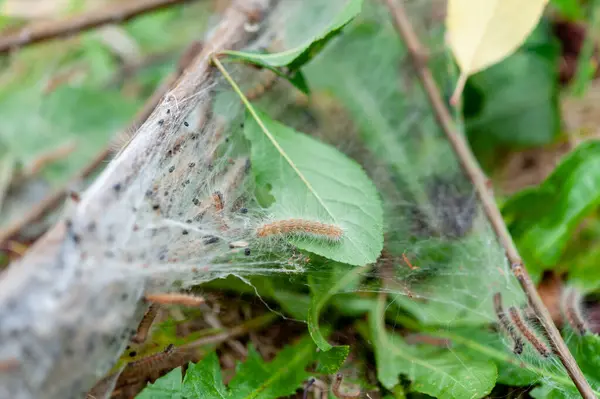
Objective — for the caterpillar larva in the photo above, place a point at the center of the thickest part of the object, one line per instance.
(506, 325)
(153, 364)
(175, 299)
(527, 333)
(268, 80)
(572, 310)
(145, 324)
(300, 227)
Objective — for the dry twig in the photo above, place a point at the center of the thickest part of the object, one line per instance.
(475, 174)
(121, 12)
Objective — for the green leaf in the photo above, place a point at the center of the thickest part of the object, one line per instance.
(585, 350)
(484, 344)
(434, 371)
(571, 9)
(257, 379)
(586, 66)
(167, 387)
(547, 391)
(313, 181)
(296, 57)
(203, 379)
(329, 362)
(526, 370)
(542, 219)
(515, 103)
(322, 290)
(583, 256)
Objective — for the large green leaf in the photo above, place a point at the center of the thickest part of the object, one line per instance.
(295, 57)
(542, 219)
(313, 181)
(515, 103)
(166, 387)
(434, 371)
(254, 378)
(526, 370)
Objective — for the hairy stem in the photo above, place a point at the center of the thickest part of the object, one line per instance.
(118, 13)
(477, 177)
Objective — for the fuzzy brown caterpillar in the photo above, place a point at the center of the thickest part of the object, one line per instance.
(300, 227)
(145, 324)
(175, 299)
(140, 369)
(572, 311)
(529, 335)
(506, 325)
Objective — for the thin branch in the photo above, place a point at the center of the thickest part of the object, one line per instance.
(54, 199)
(475, 174)
(121, 12)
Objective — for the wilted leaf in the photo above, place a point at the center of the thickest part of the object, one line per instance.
(481, 33)
(326, 187)
(542, 219)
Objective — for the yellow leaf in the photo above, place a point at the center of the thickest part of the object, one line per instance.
(481, 33)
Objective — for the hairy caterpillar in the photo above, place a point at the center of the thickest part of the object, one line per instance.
(145, 324)
(527, 333)
(218, 202)
(572, 312)
(300, 227)
(268, 80)
(506, 325)
(175, 299)
(138, 370)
